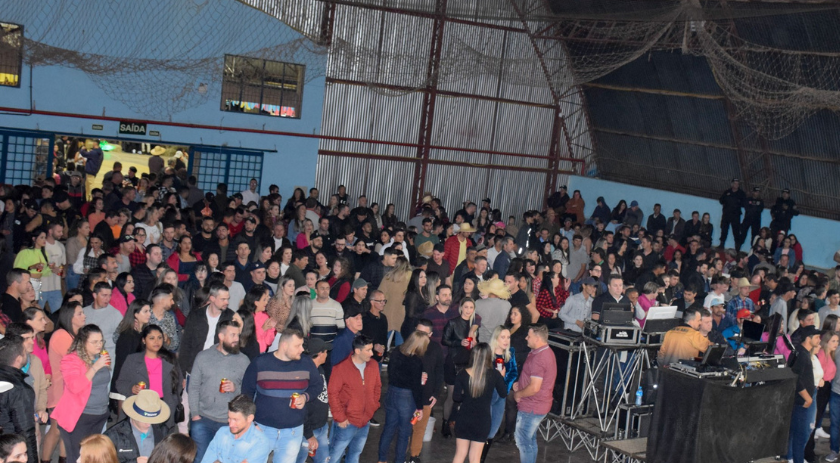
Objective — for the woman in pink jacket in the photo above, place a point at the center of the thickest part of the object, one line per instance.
(83, 409)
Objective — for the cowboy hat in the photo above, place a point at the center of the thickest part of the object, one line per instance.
(146, 407)
(467, 227)
(427, 199)
(494, 286)
(426, 248)
(744, 282)
(158, 151)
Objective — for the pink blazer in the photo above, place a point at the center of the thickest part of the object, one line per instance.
(264, 337)
(77, 391)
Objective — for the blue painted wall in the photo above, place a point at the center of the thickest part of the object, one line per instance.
(819, 237)
(69, 90)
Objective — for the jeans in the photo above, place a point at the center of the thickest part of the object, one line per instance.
(72, 278)
(800, 430)
(51, 297)
(322, 434)
(396, 337)
(834, 410)
(526, 435)
(399, 409)
(285, 442)
(202, 432)
(497, 412)
(822, 398)
(351, 439)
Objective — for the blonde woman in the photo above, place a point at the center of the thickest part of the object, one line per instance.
(405, 395)
(459, 335)
(475, 388)
(504, 360)
(302, 239)
(394, 285)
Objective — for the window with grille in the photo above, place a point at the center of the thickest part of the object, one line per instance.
(259, 86)
(26, 157)
(235, 169)
(11, 54)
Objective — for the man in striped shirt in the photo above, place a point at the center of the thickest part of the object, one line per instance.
(270, 380)
(327, 316)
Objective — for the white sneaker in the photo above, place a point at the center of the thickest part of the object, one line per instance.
(820, 433)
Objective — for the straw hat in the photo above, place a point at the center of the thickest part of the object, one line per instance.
(494, 286)
(744, 282)
(146, 407)
(426, 248)
(467, 227)
(158, 151)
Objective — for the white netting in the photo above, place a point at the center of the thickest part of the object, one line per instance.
(157, 71)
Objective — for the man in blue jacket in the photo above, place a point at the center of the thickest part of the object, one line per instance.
(93, 162)
(241, 440)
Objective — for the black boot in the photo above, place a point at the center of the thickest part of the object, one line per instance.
(486, 449)
(444, 429)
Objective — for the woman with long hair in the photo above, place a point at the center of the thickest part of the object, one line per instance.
(826, 358)
(302, 239)
(272, 275)
(87, 257)
(341, 279)
(96, 212)
(285, 254)
(128, 338)
(71, 318)
(415, 302)
(676, 261)
(504, 361)
(196, 281)
(212, 260)
(561, 254)
(97, 448)
(77, 240)
(618, 212)
(155, 366)
(280, 306)
(83, 408)
(299, 318)
(12, 448)
(389, 218)
(474, 391)
(297, 224)
(552, 296)
(405, 394)
(612, 266)
(248, 344)
(517, 323)
(183, 260)
(265, 251)
(467, 290)
(635, 270)
(393, 285)
(37, 319)
(174, 448)
(322, 266)
(706, 230)
(255, 302)
(384, 238)
(526, 286)
(377, 217)
(183, 305)
(298, 196)
(459, 336)
(123, 294)
(35, 260)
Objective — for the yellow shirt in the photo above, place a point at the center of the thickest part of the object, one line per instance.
(682, 343)
(462, 251)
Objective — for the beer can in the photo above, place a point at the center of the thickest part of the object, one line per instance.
(105, 352)
(294, 398)
(222, 385)
(470, 341)
(500, 364)
(415, 418)
(142, 385)
(312, 452)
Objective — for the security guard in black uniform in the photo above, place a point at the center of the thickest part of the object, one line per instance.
(783, 212)
(732, 200)
(753, 207)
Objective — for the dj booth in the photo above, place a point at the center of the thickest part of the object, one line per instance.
(738, 411)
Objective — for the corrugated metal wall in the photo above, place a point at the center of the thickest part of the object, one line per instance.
(521, 123)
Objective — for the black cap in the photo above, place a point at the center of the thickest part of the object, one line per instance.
(30, 204)
(251, 219)
(314, 235)
(808, 331)
(256, 266)
(486, 200)
(786, 190)
(317, 345)
(736, 180)
(563, 187)
(755, 188)
(127, 238)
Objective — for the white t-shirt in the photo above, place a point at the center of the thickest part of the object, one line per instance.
(211, 330)
(237, 293)
(57, 255)
(152, 233)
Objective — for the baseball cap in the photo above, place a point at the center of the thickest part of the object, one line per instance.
(808, 331)
(744, 313)
(634, 203)
(30, 204)
(589, 281)
(127, 238)
(314, 235)
(251, 219)
(716, 301)
(256, 266)
(317, 345)
(480, 247)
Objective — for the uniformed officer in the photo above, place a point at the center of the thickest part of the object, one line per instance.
(732, 200)
(753, 207)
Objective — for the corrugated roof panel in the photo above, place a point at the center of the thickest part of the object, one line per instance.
(463, 123)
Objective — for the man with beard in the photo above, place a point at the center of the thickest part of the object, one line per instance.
(241, 439)
(276, 381)
(216, 375)
(205, 236)
(316, 242)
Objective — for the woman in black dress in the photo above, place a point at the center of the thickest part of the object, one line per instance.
(474, 390)
(459, 336)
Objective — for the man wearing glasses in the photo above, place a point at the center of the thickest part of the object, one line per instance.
(375, 325)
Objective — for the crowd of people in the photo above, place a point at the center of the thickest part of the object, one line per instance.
(145, 311)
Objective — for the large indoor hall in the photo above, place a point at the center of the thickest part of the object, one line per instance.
(419, 231)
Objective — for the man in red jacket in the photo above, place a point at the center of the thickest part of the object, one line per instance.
(354, 390)
(456, 243)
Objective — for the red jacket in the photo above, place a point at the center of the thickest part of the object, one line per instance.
(350, 397)
(451, 247)
(76, 392)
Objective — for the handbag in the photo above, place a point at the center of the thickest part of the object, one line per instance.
(179, 413)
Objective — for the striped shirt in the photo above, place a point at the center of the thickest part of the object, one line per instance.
(326, 319)
(271, 383)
